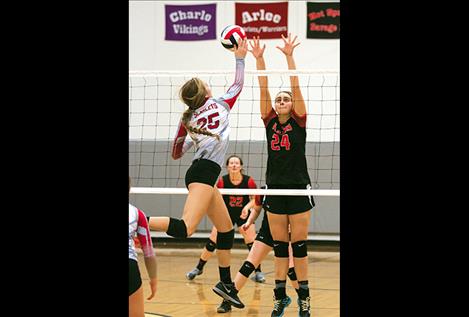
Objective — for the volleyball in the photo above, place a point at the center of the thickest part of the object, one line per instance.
(231, 35)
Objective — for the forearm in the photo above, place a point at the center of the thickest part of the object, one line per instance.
(150, 264)
(255, 211)
(265, 100)
(299, 104)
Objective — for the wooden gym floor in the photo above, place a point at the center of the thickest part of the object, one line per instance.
(178, 297)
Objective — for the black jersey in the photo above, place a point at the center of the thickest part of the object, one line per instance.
(286, 163)
(236, 203)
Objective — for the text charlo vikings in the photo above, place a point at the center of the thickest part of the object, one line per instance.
(179, 16)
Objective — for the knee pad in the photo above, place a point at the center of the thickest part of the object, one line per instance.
(177, 228)
(281, 249)
(249, 245)
(210, 246)
(247, 268)
(292, 274)
(225, 240)
(299, 249)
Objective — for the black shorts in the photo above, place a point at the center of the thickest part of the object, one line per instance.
(236, 219)
(288, 205)
(203, 171)
(264, 235)
(135, 281)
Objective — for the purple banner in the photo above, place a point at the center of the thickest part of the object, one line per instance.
(190, 22)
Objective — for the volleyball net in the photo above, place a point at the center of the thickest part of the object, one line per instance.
(155, 111)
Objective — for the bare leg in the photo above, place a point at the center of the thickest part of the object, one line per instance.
(258, 252)
(299, 231)
(291, 264)
(197, 204)
(279, 229)
(136, 304)
(218, 214)
(206, 254)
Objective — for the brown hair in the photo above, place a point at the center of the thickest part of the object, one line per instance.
(240, 161)
(287, 92)
(193, 93)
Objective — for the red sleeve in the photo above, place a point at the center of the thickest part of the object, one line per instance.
(301, 120)
(272, 114)
(179, 142)
(143, 235)
(258, 200)
(220, 183)
(251, 183)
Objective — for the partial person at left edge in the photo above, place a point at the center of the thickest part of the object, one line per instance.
(138, 228)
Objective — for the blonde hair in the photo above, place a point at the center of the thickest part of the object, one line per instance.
(193, 93)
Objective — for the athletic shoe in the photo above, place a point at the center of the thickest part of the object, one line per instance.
(258, 277)
(279, 306)
(224, 307)
(304, 307)
(229, 293)
(192, 274)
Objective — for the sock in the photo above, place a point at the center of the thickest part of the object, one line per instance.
(279, 291)
(258, 269)
(303, 291)
(201, 264)
(225, 274)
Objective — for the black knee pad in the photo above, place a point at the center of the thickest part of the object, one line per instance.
(281, 249)
(177, 228)
(210, 246)
(299, 249)
(225, 240)
(247, 268)
(292, 274)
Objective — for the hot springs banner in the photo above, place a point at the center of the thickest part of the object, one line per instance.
(323, 20)
(191, 22)
(266, 20)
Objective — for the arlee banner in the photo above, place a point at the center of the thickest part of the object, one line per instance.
(266, 20)
(191, 22)
(323, 20)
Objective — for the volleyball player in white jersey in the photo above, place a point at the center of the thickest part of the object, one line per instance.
(206, 121)
(138, 227)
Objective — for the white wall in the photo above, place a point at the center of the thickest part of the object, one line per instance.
(149, 51)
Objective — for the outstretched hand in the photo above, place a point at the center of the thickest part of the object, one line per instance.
(256, 49)
(289, 45)
(242, 49)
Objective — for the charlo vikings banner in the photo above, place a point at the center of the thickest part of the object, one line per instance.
(190, 22)
(323, 20)
(266, 20)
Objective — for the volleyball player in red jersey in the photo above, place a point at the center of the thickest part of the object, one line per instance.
(138, 229)
(286, 169)
(261, 247)
(206, 122)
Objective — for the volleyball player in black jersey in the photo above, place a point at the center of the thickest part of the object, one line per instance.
(261, 247)
(286, 169)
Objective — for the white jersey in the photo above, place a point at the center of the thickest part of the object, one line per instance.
(214, 116)
(138, 227)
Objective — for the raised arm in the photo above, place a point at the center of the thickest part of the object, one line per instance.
(233, 92)
(265, 100)
(298, 100)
